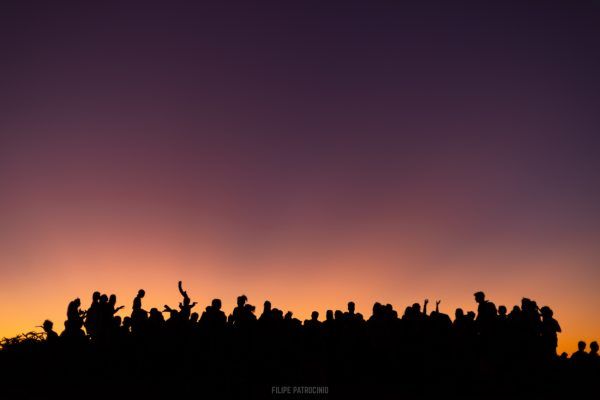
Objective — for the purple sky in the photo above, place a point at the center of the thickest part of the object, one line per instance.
(288, 139)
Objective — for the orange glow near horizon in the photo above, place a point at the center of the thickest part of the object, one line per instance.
(328, 284)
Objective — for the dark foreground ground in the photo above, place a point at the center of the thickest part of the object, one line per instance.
(248, 365)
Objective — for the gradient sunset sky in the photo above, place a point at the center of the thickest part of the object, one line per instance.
(305, 152)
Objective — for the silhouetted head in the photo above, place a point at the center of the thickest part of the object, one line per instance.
(141, 293)
(241, 300)
(502, 311)
(338, 314)
(95, 296)
(471, 315)
(194, 317)
(77, 302)
(47, 325)
(459, 313)
(547, 312)
(479, 297)
(329, 315)
(416, 308)
(377, 307)
(104, 299)
(351, 307)
(112, 299)
(216, 304)
(186, 301)
(288, 315)
(594, 347)
(117, 320)
(534, 305)
(267, 306)
(314, 316)
(581, 345)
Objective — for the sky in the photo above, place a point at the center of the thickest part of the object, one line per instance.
(309, 153)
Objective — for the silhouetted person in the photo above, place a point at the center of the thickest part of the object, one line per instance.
(51, 336)
(485, 322)
(267, 314)
(185, 307)
(313, 322)
(580, 357)
(213, 317)
(594, 350)
(486, 310)
(137, 301)
(243, 314)
(112, 301)
(549, 332)
(91, 319)
(350, 314)
(139, 316)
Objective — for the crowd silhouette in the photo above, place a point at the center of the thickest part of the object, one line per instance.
(490, 352)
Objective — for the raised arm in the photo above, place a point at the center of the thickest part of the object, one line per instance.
(425, 306)
(183, 292)
(437, 306)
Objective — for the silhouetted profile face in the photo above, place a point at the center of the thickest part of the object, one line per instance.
(104, 299)
(329, 315)
(241, 300)
(351, 307)
(314, 315)
(267, 306)
(581, 345)
(47, 325)
(112, 299)
(594, 347)
(77, 302)
(479, 297)
(216, 304)
(459, 313)
(95, 296)
(141, 293)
